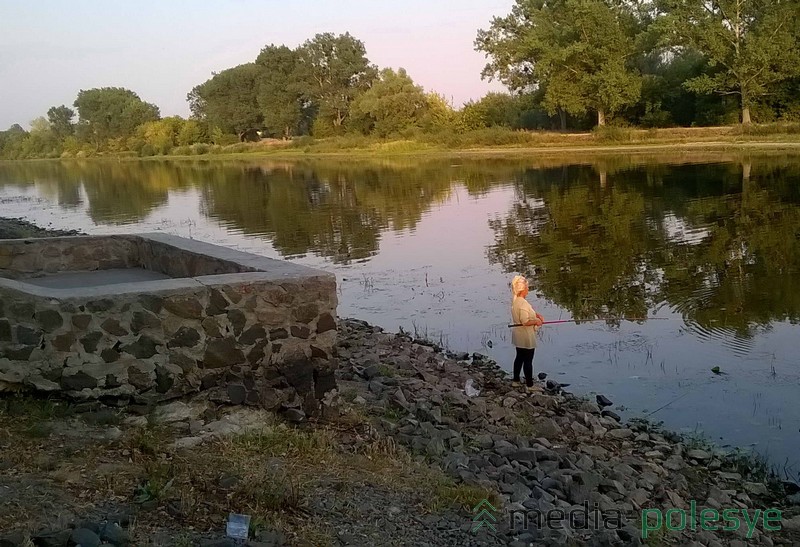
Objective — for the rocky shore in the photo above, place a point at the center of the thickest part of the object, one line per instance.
(551, 451)
(408, 424)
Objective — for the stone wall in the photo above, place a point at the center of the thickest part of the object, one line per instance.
(263, 338)
(25, 258)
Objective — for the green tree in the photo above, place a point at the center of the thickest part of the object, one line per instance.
(191, 132)
(579, 51)
(279, 95)
(229, 100)
(392, 105)
(439, 114)
(11, 141)
(60, 118)
(497, 110)
(160, 136)
(332, 71)
(753, 44)
(112, 112)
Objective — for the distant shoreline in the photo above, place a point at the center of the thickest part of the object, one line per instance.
(760, 139)
(515, 152)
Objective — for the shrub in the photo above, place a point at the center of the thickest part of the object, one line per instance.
(613, 134)
(181, 150)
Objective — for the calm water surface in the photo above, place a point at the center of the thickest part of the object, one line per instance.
(709, 247)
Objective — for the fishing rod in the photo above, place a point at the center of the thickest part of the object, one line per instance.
(590, 320)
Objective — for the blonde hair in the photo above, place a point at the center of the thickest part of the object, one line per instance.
(518, 284)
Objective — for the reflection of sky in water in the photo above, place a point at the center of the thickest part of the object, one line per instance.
(436, 279)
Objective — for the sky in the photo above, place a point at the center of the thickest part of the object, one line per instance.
(49, 50)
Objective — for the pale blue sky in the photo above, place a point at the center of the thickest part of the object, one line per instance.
(51, 49)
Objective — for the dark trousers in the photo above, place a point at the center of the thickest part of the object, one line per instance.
(524, 361)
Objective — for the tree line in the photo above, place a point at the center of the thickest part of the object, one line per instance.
(567, 64)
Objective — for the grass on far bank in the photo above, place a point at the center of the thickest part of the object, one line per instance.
(489, 139)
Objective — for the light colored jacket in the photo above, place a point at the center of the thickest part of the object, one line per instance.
(522, 312)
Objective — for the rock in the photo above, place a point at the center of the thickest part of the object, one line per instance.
(603, 401)
(294, 415)
(794, 499)
(237, 393)
(141, 320)
(523, 455)
(185, 337)
(222, 353)
(5, 330)
(547, 428)
(81, 322)
(640, 497)
(186, 308)
(143, 348)
(622, 433)
(677, 500)
(49, 538)
(756, 488)
(90, 341)
(544, 401)
(14, 539)
(112, 326)
(611, 414)
(728, 476)
(49, 320)
(85, 538)
(697, 454)
(173, 412)
(300, 331)
(78, 381)
(484, 441)
(793, 524)
(113, 533)
(253, 335)
(227, 542)
(674, 463)
(103, 304)
(28, 336)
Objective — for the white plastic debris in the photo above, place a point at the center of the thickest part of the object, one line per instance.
(238, 526)
(470, 390)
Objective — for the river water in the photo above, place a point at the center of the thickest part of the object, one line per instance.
(706, 247)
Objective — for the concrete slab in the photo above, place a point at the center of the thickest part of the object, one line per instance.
(97, 278)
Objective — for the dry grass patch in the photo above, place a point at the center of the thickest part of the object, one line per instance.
(276, 474)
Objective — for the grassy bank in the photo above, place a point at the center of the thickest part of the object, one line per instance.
(499, 141)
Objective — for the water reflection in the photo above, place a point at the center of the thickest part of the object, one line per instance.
(712, 245)
(718, 242)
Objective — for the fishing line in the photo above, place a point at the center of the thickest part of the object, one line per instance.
(594, 320)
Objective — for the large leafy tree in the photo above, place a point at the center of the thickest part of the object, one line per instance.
(279, 95)
(110, 112)
(332, 71)
(580, 52)
(60, 118)
(753, 44)
(229, 100)
(393, 104)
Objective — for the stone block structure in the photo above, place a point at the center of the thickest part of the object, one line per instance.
(152, 317)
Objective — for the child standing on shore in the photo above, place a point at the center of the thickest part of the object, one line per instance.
(524, 336)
